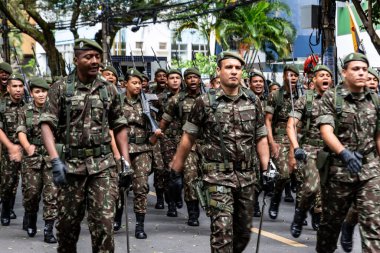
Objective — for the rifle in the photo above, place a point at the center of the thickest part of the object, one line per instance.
(156, 59)
(299, 86)
(143, 61)
(26, 86)
(145, 103)
(133, 58)
(35, 59)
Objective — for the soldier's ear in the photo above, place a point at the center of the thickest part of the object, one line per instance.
(75, 60)
(218, 71)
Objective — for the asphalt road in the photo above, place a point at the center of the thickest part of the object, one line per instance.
(167, 234)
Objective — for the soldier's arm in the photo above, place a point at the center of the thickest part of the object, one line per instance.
(263, 152)
(14, 150)
(48, 139)
(378, 143)
(121, 137)
(291, 131)
(183, 150)
(29, 148)
(328, 136)
(274, 146)
(262, 145)
(115, 151)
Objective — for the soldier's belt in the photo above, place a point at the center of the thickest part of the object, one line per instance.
(239, 166)
(219, 188)
(315, 143)
(87, 152)
(137, 139)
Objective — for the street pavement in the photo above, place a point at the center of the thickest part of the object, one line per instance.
(166, 234)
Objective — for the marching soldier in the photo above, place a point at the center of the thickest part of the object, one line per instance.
(276, 117)
(5, 72)
(306, 111)
(232, 122)
(215, 82)
(373, 80)
(80, 111)
(36, 174)
(178, 109)
(160, 80)
(10, 164)
(349, 123)
(274, 86)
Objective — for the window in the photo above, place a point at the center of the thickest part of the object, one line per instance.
(139, 44)
(199, 48)
(162, 45)
(180, 51)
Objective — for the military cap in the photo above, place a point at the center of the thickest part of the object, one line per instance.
(49, 80)
(6, 67)
(213, 77)
(121, 78)
(229, 55)
(86, 44)
(160, 70)
(274, 84)
(256, 73)
(355, 57)
(145, 76)
(194, 71)
(16, 76)
(322, 67)
(112, 69)
(291, 67)
(374, 72)
(174, 71)
(134, 72)
(38, 82)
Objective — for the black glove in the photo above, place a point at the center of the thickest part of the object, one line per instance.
(125, 176)
(59, 172)
(267, 182)
(300, 154)
(352, 160)
(175, 185)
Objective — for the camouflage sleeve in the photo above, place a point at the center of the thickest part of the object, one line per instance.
(50, 114)
(169, 111)
(299, 108)
(271, 103)
(327, 111)
(196, 117)
(261, 130)
(116, 116)
(21, 121)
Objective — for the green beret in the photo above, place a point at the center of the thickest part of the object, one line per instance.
(135, 73)
(274, 84)
(355, 57)
(194, 71)
(174, 71)
(291, 67)
(16, 76)
(374, 72)
(256, 73)
(121, 78)
(322, 67)
(38, 82)
(49, 80)
(229, 55)
(145, 76)
(86, 44)
(6, 67)
(110, 68)
(160, 70)
(213, 77)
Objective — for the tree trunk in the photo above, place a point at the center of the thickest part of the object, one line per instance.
(54, 57)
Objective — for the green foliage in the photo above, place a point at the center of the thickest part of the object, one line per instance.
(205, 63)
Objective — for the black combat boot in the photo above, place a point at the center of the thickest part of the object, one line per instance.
(48, 232)
(118, 218)
(25, 222)
(5, 213)
(172, 208)
(346, 236)
(288, 194)
(139, 232)
(32, 224)
(193, 210)
(315, 219)
(12, 214)
(257, 211)
(296, 227)
(160, 199)
(274, 205)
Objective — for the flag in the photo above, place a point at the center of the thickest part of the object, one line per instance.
(358, 45)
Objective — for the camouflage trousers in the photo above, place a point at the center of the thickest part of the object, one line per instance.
(142, 166)
(282, 166)
(10, 172)
(352, 216)
(190, 173)
(337, 198)
(37, 179)
(158, 167)
(309, 189)
(168, 149)
(231, 226)
(95, 193)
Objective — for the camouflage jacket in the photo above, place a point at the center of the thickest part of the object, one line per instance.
(86, 113)
(138, 128)
(9, 117)
(357, 131)
(242, 125)
(312, 135)
(28, 118)
(174, 130)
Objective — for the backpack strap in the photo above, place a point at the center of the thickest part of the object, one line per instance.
(69, 93)
(279, 100)
(309, 108)
(338, 107)
(29, 117)
(214, 106)
(106, 106)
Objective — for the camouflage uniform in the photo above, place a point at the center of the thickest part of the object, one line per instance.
(307, 173)
(280, 118)
(9, 170)
(36, 169)
(91, 168)
(178, 109)
(231, 189)
(357, 131)
(140, 151)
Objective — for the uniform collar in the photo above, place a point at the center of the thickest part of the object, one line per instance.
(219, 93)
(348, 93)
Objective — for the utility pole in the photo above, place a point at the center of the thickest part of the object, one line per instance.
(328, 35)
